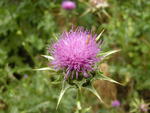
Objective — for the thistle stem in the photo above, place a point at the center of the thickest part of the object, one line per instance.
(79, 107)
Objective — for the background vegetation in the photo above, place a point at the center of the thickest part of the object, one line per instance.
(28, 26)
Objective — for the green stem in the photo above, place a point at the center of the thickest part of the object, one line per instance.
(79, 107)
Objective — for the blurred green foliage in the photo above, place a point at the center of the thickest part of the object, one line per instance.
(28, 26)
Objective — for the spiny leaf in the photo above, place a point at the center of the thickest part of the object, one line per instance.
(48, 57)
(103, 77)
(55, 37)
(100, 76)
(44, 69)
(93, 90)
(79, 83)
(98, 37)
(105, 54)
(85, 110)
(86, 12)
(65, 86)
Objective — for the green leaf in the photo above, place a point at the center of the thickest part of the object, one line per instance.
(48, 57)
(58, 80)
(65, 86)
(44, 69)
(93, 90)
(41, 105)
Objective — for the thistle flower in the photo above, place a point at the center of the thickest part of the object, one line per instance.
(115, 103)
(76, 53)
(144, 107)
(99, 3)
(139, 105)
(68, 5)
(25, 76)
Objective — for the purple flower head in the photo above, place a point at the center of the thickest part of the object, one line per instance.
(115, 103)
(144, 107)
(76, 53)
(25, 76)
(68, 5)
